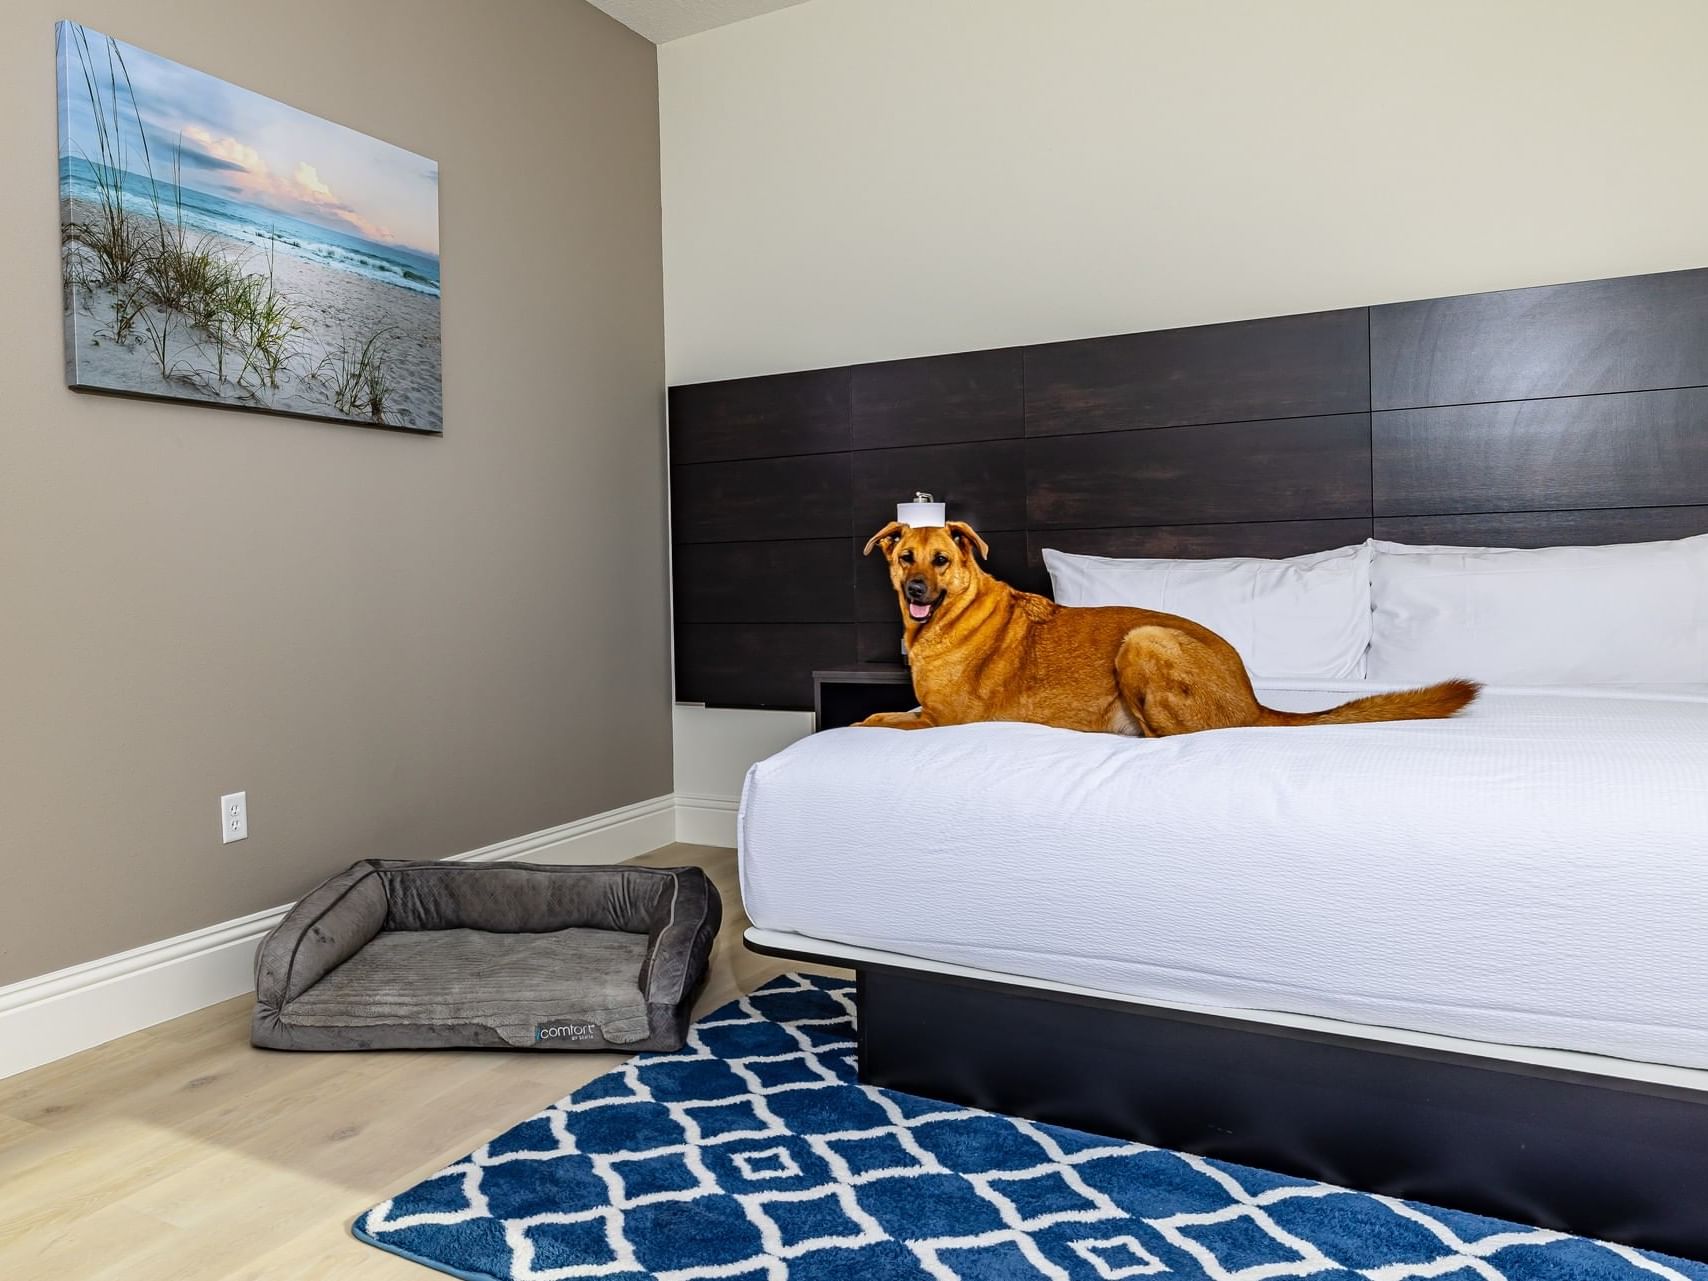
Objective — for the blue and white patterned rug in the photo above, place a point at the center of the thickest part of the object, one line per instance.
(753, 1155)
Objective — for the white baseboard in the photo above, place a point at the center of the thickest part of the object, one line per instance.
(706, 820)
(47, 1018)
(610, 837)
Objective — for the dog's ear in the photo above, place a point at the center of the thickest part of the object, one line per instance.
(967, 536)
(889, 536)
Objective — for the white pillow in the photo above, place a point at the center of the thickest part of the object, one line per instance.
(1308, 616)
(1630, 614)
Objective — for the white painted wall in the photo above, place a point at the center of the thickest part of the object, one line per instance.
(851, 180)
(714, 747)
(854, 180)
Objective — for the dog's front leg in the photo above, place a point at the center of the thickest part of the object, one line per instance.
(916, 719)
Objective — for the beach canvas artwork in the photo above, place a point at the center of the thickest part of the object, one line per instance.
(222, 247)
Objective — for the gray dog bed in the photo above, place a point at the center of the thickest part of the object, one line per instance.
(394, 955)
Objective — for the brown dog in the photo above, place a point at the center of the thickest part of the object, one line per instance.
(982, 651)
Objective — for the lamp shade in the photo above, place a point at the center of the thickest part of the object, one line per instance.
(921, 512)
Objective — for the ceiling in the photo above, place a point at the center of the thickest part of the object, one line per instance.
(662, 20)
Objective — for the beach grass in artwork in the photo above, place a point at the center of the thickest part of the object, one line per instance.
(219, 246)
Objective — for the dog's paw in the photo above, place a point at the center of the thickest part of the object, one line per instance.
(893, 720)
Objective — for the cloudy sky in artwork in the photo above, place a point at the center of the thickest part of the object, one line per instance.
(235, 143)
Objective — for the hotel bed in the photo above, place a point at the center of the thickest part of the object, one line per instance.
(1531, 873)
(1465, 961)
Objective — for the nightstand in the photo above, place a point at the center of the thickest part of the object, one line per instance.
(843, 695)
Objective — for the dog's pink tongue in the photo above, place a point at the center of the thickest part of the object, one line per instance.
(919, 611)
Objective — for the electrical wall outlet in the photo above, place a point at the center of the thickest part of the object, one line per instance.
(233, 817)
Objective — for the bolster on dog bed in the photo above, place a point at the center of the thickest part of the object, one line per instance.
(392, 955)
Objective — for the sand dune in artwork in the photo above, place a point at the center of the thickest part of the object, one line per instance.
(332, 314)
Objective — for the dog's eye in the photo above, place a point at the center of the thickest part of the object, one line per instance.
(939, 560)
(906, 558)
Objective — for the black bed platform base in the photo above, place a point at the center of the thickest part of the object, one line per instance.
(1604, 1157)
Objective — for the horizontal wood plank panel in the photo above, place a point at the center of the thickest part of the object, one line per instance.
(757, 664)
(1573, 414)
(1294, 469)
(1288, 366)
(1270, 539)
(1633, 333)
(984, 484)
(935, 400)
(805, 413)
(761, 498)
(879, 642)
(796, 581)
(875, 597)
(1547, 529)
(1635, 449)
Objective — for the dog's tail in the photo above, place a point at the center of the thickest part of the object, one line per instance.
(1433, 702)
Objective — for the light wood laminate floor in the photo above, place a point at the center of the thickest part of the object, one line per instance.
(183, 1153)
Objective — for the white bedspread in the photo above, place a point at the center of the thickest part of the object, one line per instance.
(1533, 873)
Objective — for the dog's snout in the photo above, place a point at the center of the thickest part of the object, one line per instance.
(917, 589)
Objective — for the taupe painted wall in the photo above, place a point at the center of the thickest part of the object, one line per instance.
(399, 646)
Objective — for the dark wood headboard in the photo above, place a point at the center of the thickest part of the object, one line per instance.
(1564, 414)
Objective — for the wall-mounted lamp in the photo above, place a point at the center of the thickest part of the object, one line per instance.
(921, 512)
